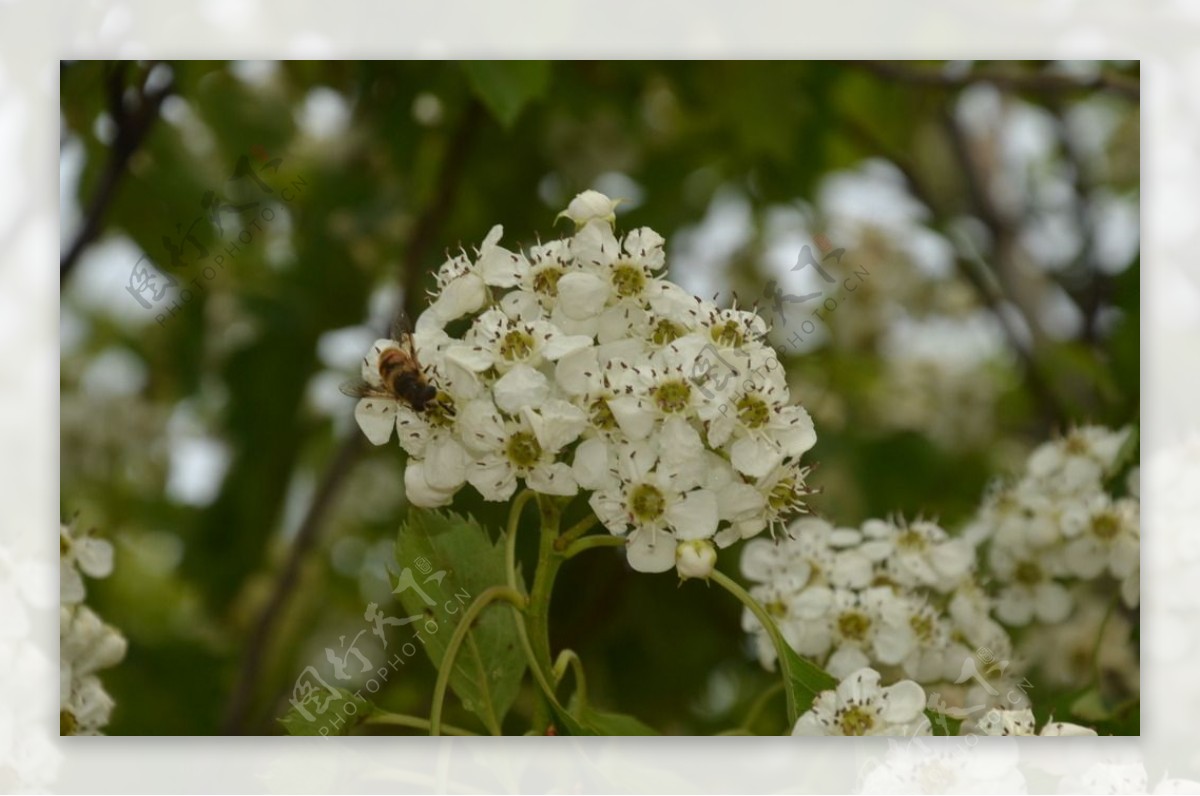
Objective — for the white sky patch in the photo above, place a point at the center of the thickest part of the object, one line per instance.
(874, 195)
(325, 114)
(617, 185)
(197, 467)
(195, 133)
(342, 349)
(258, 74)
(70, 168)
(701, 252)
(1059, 315)
(1117, 230)
(964, 342)
(115, 371)
(101, 276)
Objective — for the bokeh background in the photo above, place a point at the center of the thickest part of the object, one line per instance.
(979, 222)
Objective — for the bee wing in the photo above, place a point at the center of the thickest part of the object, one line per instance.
(360, 388)
(401, 326)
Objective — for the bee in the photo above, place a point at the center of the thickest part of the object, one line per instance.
(400, 375)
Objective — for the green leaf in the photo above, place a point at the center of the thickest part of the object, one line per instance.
(446, 561)
(805, 681)
(325, 713)
(589, 721)
(506, 87)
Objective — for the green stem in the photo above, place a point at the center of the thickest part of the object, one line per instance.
(382, 718)
(760, 613)
(576, 530)
(472, 613)
(782, 650)
(538, 616)
(510, 542)
(1112, 607)
(569, 658)
(588, 542)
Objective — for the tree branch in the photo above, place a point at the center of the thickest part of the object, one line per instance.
(1045, 83)
(426, 230)
(132, 126)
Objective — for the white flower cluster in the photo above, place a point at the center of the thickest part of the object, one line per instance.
(900, 597)
(575, 366)
(1059, 523)
(86, 643)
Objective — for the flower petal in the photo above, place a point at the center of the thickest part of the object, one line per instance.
(377, 418)
(650, 551)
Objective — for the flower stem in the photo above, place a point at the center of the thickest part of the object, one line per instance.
(588, 542)
(569, 658)
(538, 616)
(384, 718)
(782, 650)
(472, 613)
(510, 542)
(575, 531)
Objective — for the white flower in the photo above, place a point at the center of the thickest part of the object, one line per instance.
(918, 553)
(860, 706)
(1110, 541)
(868, 626)
(1021, 722)
(656, 497)
(526, 448)
(1029, 591)
(86, 643)
(497, 341)
(781, 495)
(81, 552)
(591, 206)
(763, 428)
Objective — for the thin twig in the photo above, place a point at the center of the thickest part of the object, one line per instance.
(132, 126)
(1047, 83)
(349, 451)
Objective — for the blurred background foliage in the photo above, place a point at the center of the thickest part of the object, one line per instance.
(979, 222)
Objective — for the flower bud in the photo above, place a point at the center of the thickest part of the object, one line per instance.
(695, 558)
(591, 206)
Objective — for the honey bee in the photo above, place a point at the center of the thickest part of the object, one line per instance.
(400, 374)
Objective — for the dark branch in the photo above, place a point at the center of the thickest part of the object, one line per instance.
(427, 229)
(132, 125)
(1045, 83)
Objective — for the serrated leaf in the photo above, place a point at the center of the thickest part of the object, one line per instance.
(450, 561)
(506, 87)
(590, 721)
(326, 712)
(804, 682)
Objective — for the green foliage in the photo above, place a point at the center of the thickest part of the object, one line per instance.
(803, 682)
(587, 720)
(488, 668)
(303, 719)
(506, 87)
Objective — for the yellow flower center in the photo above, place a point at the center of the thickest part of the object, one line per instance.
(523, 449)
